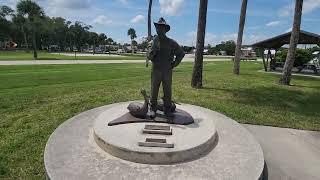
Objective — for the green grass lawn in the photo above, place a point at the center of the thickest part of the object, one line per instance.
(21, 55)
(34, 100)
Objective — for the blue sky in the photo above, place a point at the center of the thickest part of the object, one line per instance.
(265, 18)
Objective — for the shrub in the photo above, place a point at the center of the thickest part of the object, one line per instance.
(302, 56)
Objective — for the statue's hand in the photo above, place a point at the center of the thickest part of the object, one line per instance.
(174, 64)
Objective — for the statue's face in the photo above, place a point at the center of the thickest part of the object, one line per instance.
(161, 31)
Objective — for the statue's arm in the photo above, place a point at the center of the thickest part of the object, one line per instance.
(179, 53)
(152, 49)
(150, 53)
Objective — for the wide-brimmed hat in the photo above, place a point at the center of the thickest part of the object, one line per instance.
(162, 22)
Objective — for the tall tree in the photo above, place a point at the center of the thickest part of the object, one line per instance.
(237, 58)
(149, 20)
(5, 25)
(196, 81)
(132, 34)
(20, 22)
(6, 11)
(103, 40)
(33, 11)
(287, 70)
(80, 32)
(61, 27)
(110, 41)
(94, 38)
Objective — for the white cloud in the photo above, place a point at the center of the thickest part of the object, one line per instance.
(123, 1)
(63, 8)
(102, 20)
(286, 10)
(13, 3)
(138, 19)
(273, 23)
(215, 39)
(224, 11)
(253, 38)
(210, 38)
(253, 27)
(288, 30)
(308, 6)
(312, 19)
(70, 4)
(171, 7)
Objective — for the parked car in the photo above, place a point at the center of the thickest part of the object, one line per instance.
(120, 51)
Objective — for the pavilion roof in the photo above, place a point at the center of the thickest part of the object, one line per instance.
(278, 41)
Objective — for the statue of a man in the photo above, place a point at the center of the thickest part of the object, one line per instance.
(165, 55)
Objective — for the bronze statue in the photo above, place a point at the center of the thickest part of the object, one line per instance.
(165, 55)
(140, 110)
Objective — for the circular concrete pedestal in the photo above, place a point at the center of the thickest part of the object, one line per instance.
(190, 141)
(72, 152)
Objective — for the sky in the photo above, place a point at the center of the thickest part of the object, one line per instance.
(265, 18)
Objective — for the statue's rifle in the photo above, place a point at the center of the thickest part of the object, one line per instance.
(147, 59)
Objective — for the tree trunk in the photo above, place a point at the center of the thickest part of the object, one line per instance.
(25, 38)
(94, 47)
(269, 56)
(286, 75)
(237, 58)
(264, 61)
(34, 44)
(149, 20)
(132, 46)
(198, 63)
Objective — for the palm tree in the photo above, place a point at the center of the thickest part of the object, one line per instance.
(196, 81)
(5, 25)
(32, 11)
(6, 11)
(110, 41)
(132, 34)
(286, 75)
(20, 21)
(94, 39)
(102, 40)
(237, 58)
(149, 20)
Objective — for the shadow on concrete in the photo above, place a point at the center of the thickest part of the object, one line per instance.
(264, 175)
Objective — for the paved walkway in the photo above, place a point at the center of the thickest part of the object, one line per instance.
(41, 62)
(295, 74)
(290, 154)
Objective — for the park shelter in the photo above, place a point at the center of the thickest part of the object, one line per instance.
(275, 43)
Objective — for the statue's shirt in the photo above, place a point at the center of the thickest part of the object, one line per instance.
(163, 52)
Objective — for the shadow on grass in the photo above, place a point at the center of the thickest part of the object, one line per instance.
(277, 97)
(302, 86)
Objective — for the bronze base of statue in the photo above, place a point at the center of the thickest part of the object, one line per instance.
(180, 117)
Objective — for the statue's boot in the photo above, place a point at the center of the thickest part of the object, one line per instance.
(153, 111)
(168, 110)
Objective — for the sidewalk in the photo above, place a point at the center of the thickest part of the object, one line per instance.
(290, 154)
(44, 62)
(295, 74)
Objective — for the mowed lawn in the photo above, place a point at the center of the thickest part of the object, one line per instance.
(34, 100)
(42, 55)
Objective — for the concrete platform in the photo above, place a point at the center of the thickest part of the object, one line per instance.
(72, 153)
(190, 141)
(290, 154)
